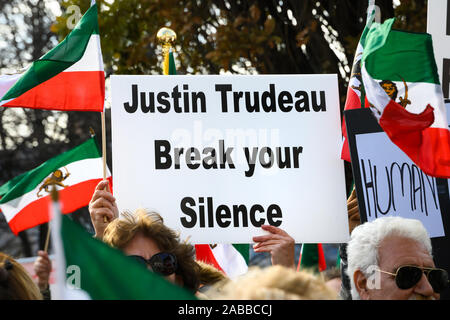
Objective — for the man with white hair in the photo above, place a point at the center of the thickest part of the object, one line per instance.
(390, 258)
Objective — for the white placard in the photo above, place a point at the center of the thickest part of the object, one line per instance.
(204, 194)
(438, 25)
(394, 186)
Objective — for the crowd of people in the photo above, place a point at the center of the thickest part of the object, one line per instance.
(388, 258)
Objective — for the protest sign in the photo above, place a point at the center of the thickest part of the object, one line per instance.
(218, 156)
(438, 25)
(389, 184)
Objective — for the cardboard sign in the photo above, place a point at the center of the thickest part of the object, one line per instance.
(394, 186)
(218, 156)
(387, 182)
(414, 196)
(438, 25)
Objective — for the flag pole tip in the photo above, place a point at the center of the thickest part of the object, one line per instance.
(166, 36)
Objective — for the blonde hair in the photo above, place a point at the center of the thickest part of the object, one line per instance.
(15, 282)
(150, 224)
(209, 275)
(273, 283)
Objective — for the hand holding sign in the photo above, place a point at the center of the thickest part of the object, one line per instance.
(280, 245)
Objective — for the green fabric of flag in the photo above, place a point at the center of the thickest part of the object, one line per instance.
(244, 250)
(312, 257)
(389, 54)
(29, 180)
(106, 273)
(64, 55)
(172, 68)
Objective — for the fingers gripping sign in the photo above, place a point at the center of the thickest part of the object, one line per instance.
(102, 208)
(279, 243)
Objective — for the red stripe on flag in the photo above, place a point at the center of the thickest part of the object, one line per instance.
(428, 148)
(67, 91)
(322, 262)
(352, 102)
(71, 198)
(32, 215)
(203, 252)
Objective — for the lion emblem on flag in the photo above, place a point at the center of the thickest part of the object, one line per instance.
(56, 178)
(391, 90)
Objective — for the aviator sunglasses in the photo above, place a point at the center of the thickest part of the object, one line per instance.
(407, 277)
(163, 263)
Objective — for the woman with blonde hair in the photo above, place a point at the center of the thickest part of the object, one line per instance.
(143, 236)
(15, 282)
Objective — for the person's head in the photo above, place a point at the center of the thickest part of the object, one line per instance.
(144, 236)
(387, 244)
(15, 282)
(273, 283)
(209, 276)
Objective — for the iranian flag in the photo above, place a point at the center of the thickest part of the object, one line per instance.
(231, 259)
(87, 268)
(312, 257)
(355, 86)
(25, 199)
(402, 86)
(70, 77)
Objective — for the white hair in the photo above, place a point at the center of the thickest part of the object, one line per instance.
(362, 249)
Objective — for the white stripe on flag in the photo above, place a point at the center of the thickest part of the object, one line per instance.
(375, 94)
(86, 169)
(6, 82)
(230, 260)
(91, 59)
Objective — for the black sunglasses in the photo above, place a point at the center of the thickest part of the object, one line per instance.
(407, 277)
(163, 263)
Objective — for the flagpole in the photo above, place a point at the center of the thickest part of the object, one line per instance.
(105, 219)
(47, 239)
(54, 196)
(104, 145)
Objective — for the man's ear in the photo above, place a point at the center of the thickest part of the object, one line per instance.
(360, 281)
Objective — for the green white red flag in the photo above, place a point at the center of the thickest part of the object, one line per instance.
(402, 87)
(231, 259)
(312, 257)
(25, 200)
(355, 85)
(70, 77)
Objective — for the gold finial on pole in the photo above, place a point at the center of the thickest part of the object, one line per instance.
(166, 37)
